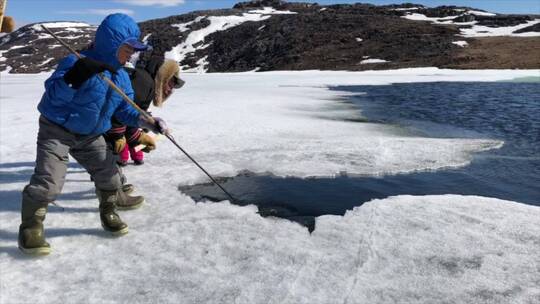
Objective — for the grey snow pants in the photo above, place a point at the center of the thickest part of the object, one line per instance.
(54, 143)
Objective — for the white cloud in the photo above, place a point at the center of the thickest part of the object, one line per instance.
(100, 11)
(152, 2)
(111, 11)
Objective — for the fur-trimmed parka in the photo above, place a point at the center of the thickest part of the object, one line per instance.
(147, 82)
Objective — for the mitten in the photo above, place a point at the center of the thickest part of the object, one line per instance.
(119, 145)
(83, 69)
(148, 141)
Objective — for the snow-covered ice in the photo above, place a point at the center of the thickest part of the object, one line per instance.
(405, 249)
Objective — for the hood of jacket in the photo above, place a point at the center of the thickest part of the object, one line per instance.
(113, 31)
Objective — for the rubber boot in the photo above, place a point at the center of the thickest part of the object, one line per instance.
(31, 234)
(126, 202)
(110, 220)
(128, 188)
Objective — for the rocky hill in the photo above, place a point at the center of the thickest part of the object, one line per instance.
(277, 35)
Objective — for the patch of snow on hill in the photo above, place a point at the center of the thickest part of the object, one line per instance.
(460, 43)
(407, 8)
(477, 30)
(373, 60)
(486, 31)
(46, 61)
(217, 23)
(422, 17)
(17, 47)
(182, 27)
(64, 25)
(201, 66)
(480, 13)
(271, 11)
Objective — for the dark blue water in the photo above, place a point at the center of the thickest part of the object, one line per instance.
(502, 110)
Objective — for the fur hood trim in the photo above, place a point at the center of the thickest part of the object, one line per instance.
(167, 70)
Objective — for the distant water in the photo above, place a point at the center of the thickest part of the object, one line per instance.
(508, 111)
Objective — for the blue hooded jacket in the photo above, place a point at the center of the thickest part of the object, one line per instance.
(88, 110)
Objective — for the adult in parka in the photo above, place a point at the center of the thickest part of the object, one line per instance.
(76, 109)
(153, 82)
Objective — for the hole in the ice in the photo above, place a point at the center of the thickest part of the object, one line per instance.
(303, 199)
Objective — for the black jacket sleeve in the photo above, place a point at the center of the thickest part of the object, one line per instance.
(143, 85)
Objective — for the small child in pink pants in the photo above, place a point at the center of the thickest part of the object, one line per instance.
(131, 135)
(136, 156)
(153, 82)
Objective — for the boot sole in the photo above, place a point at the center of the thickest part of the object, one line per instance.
(118, 207)
(116, 233)
(36, 251)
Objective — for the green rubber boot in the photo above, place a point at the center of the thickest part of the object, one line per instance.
(128, 188)
(110, 220)
(128, 202)
(31, 234)
(125, 201)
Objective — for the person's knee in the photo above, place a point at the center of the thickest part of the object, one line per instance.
(41, 194)
(107, 182)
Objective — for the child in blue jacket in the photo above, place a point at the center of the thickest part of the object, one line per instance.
(76, 109)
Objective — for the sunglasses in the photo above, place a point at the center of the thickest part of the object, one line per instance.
(178, 83)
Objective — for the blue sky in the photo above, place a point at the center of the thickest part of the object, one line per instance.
(93, 11)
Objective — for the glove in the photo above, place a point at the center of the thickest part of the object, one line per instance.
(148, 141)
(119, 145)
(83, 69)
(159, 125)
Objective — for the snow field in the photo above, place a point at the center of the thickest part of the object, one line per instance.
(405, 249)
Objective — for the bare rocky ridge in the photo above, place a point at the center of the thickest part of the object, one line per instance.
(334, 37)
(329, 40)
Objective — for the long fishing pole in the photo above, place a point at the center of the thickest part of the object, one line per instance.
(169, 136)
(146, 116)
